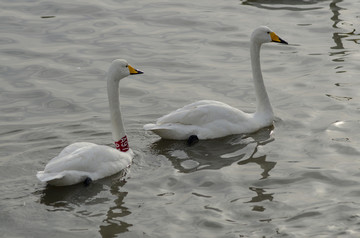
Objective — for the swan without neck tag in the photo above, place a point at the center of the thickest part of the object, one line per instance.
(122, 144)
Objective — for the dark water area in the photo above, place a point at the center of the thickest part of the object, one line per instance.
(299, 178)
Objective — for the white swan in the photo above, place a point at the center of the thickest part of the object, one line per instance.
(84, 161)
(209, 119)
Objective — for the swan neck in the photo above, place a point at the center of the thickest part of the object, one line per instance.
(117, 125)
(263, 102)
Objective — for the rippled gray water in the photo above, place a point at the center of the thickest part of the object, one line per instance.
(299, 178)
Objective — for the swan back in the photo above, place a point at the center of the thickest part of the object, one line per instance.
(83, 160)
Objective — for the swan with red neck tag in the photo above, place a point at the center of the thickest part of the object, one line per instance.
(82, 162)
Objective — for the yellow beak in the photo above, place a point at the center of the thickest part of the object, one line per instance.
(134, 71)
(277, 39)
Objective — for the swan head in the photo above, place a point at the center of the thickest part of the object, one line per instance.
(120, 69)
(264, 34)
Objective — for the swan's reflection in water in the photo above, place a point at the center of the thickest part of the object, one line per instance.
(236, 150)
(218, 153)
(102, 202)
(290, 5)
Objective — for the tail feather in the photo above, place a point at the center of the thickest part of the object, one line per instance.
(46, 177)
(172, 131)
(149, 127)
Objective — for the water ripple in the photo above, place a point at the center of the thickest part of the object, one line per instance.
(299, 178)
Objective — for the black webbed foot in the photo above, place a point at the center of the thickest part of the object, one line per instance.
(87, 181)
(193, 139)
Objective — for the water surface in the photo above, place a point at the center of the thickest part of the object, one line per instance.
(299, 178)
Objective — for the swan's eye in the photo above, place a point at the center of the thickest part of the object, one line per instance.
(268, 32)
(126, 65)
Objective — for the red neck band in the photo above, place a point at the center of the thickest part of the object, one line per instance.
(122, 144)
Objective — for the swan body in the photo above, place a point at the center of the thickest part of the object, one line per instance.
(83, 160)
(209, 119)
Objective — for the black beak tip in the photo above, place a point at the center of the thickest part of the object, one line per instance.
(137, 72)
(282, 41)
